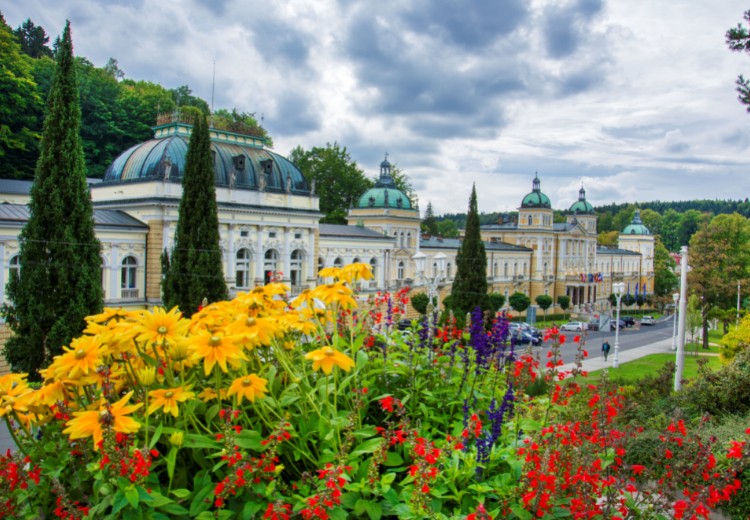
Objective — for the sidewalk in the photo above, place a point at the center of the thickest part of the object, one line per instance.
(595, 361)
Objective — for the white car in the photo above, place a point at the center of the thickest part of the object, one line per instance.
(576, 326)
(648, 320)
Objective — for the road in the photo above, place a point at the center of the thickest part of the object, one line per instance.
(629, 338)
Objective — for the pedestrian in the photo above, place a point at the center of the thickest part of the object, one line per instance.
(605, 349)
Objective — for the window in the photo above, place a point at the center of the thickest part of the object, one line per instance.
(529, 222)
(434, 269)
(244, 233)
(270, 265)
(128, 277)
(494, 269)
(297, 236)
(295, 273)
(356, 260)
(242, 267)
(272, 234)
(14, 267)
(408, 238)
(400, 271)
(338, 262)
(505, 270)
(374, 266)
(321, 264)
(448, 270)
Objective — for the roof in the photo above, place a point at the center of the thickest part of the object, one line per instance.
(102, 217)
(604, 250)
(636, 226)
(536, 199)
(238, 162)
(385, 194)
(581, 206)
(23, 187)
(341, 230)
(455, 243)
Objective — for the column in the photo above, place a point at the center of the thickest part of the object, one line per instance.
(287, 257)
(259, 256)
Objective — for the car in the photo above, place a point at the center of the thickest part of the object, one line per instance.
(613, 324)
(629, 320)
(525, 327)
(577, 326)
(648, 320)
(523, 337)
(404, 324)
(593, 326)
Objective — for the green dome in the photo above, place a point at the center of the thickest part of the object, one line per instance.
(581, 206)
(384, 194)
(536, 199)
(636, 226)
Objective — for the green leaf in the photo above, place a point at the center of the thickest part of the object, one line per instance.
(157, 436)
(174, 509)
(131, 494)
(368, 446)
(193, 440)
(249, 440)
(119, 501)
(201, 500)
(158, 500)
(181, 493)
(251, 508)
(393, 459)
(171, 461)
(375, 511)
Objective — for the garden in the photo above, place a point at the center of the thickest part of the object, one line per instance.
(311, 407)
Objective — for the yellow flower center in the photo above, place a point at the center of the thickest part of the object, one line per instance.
(105, 417)
(162, 330)
(168, 394)
(329, 351)
(330, 285)
(80, 353)
(250, 322)
(215, 341)
(246, 382)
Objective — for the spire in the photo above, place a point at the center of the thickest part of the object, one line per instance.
(582, 194)
(536, 185)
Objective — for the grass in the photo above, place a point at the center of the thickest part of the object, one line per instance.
(650, 366)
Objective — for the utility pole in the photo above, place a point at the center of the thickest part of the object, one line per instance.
(682, 314)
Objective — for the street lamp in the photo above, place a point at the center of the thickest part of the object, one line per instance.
(432, 282)
(676, 298)
(618, 289)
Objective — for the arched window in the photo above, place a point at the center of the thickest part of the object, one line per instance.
(356, 260)
(401, 240)
(529, 222)
(505, 269)
(104, 277)
(270, 265)
(400, 271)
(128, 274)
(448, 270)
(408, 238)
(494, 269)
(295, 273)
(242, 268)
(338, 262)
(14, 267)
(321, 263)
(515, 268)
(374, 267)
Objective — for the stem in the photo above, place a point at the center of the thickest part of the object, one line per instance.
(14, 437)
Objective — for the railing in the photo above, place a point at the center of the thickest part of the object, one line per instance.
(129, 294)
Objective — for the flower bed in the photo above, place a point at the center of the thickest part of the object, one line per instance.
(262, 407)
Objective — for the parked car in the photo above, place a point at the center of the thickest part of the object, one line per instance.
(404, 324)
(629, 320)
(593, 325)
(648, 320)
(613, 324)
(577, 326)
(523, 337)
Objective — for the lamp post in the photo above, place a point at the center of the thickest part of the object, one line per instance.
(676, 298)
(619, 289)
(420, 261)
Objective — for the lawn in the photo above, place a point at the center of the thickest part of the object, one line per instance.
(650, 365)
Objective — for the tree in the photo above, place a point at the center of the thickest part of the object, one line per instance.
(563, 301)
(448, 229)
(670, 225)
(652, 220)
(544, 301)
(112, 68)
(665, 279)
(33, 40)
(20, 106)
(339, 181)
(429, 223)
(60, 276)
(403, 184)
(519, 302)
(194, 267)
(470, 284)
(719, 260)
(420, 301)
(239, 123)
(690, 222)
(497, 301)
(738, 40)
(608, 238)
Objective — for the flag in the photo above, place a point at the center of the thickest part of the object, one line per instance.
(644, 289)
(628, 287)
(636, 289)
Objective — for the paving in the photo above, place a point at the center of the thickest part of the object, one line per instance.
(596, 361)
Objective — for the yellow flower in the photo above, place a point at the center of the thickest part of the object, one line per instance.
(92, 422)
(335, 293)
(248, 387)
(253, 331)
(168, 399)
(161, 326)
(109, 314)
(327, 357)
(176, 439)
(353, 272)
(215, 348)
(146, 375)
(330, 272)
(82, 358)
(209, 394)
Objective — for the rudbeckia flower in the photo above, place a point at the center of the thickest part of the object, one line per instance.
(335, 293)
(80, 359)
(248, 387)
(168, 399)
(92, 423)
(215, 348)
(161, 326)
(327, 357)
(353, 272)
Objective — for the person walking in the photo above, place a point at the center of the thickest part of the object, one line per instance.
(605, 349)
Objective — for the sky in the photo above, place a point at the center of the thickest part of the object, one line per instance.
(632, 99)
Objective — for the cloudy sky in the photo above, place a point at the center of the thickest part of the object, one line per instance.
(633, 99)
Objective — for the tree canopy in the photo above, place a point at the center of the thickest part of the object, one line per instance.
(469, 288)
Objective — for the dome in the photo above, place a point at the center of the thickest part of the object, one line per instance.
(239, 161)
(636, 226)
(385, 194)
(536, 199)
(581, 206)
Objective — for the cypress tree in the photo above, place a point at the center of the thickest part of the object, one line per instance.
(60, 275)
(194, 270)
(470, 284)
